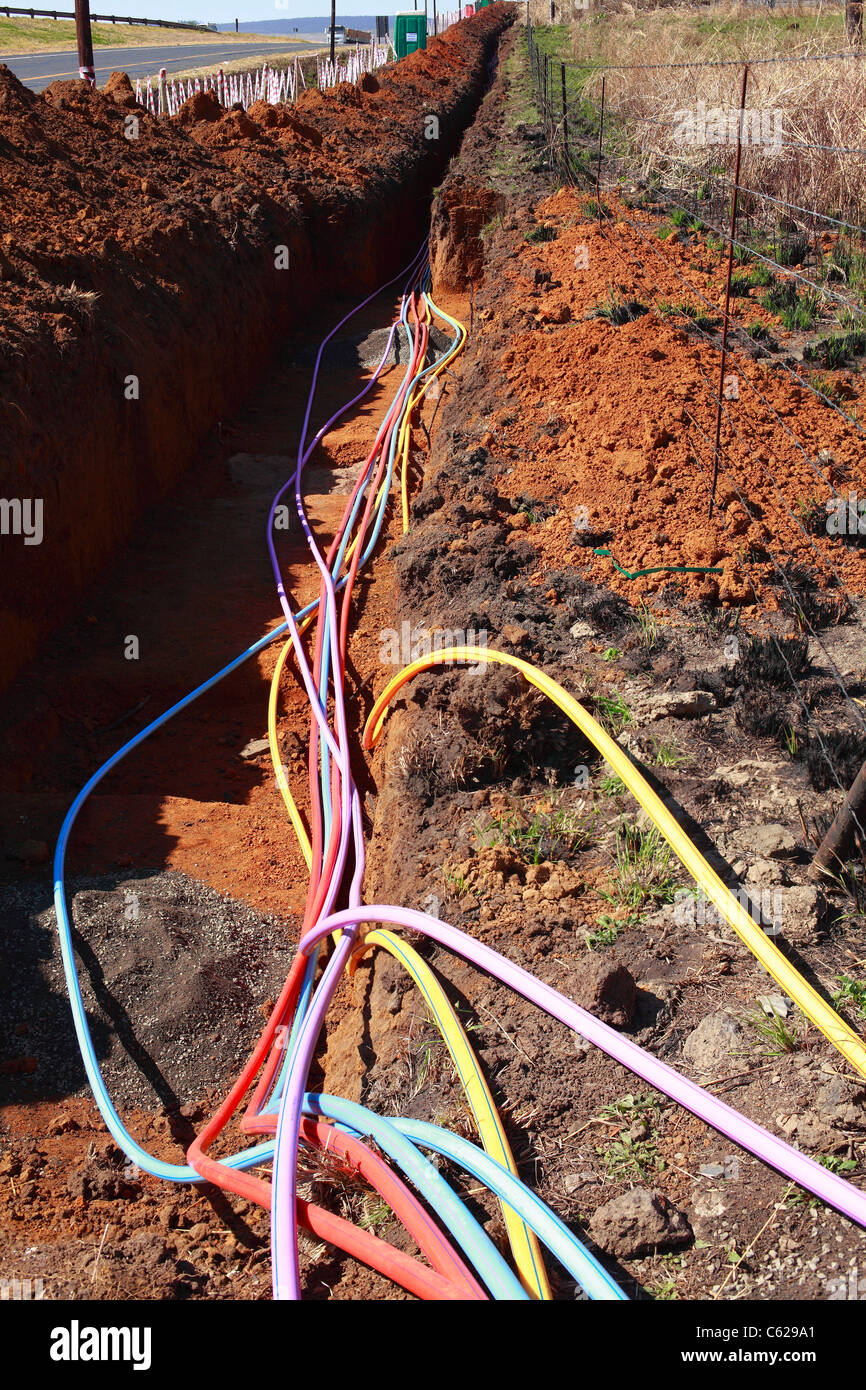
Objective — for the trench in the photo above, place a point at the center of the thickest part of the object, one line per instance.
(189, 829)
(148, 292)
(187, 587)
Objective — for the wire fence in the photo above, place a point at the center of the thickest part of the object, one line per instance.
(793, 245)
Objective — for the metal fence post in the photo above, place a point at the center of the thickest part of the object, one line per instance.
(564, 117)
(723, 362)
(600, 142)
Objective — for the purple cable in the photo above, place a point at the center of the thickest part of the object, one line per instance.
(286, 1272)
(284, 1220)
(284, 1227)
(830, 1188)
(303, 665)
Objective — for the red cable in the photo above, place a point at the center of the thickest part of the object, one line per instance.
(377, 1253)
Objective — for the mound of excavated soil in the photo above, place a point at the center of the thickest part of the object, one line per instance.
(173, 975)
(612, 425)
(142, 286)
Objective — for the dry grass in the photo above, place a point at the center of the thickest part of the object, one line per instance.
(793, 105)
(685, 33)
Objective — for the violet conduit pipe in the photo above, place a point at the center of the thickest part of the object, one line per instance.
(284, 1222)
(303, 665)
(829, 1187)
(286, 1273)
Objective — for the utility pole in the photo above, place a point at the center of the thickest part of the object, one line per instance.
(85, 42)
(333, 26)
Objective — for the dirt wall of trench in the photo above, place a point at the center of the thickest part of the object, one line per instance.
(140, 291)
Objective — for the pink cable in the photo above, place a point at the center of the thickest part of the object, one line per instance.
(830, 1188)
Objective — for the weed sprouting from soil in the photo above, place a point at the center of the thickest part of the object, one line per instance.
(851, 994)
(617, 310)
(631, 1158)
(803, 313)
(631, 1106)
(633, 1154)
(837, 350)
(667, 754)
(541, 233)
(555, 833)
(643, 870)
(647, 625)
(612, 712)
(774, 1035)
(608, 929)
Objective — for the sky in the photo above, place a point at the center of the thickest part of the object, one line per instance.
(226, 11)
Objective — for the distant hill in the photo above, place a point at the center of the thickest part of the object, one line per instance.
(306, 24)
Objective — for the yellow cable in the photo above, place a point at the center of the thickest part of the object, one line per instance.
(405, 434)
(523, 1241)
(843, 1038)
(279, 771)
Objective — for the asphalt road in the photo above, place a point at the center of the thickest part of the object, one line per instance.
(37, 70)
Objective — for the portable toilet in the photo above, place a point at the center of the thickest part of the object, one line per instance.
(410, 32)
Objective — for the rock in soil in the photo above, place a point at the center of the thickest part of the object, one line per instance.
(718, 1043)
(802, 912)
(606, 989)
(640, 1222)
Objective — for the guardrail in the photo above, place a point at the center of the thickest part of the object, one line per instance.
(9, 11)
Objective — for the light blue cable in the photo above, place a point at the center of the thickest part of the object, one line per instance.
(171, 1172)
(561, 1242)
(469, 1234)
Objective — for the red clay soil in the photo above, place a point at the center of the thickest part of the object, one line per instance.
(154, 257)
(191, 802)
(620, 419)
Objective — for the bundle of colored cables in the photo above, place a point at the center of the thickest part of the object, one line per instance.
(460, 1261)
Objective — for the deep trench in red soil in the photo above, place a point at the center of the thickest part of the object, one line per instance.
(145, 283)
(187, 884)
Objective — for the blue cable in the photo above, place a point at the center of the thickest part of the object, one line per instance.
(470, 1235)
(561, 1242)
(171, 1172)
